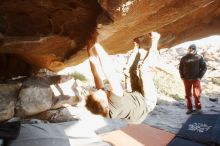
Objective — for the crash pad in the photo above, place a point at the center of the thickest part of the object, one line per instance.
(72, 133)
(199, 129)
(138, 135)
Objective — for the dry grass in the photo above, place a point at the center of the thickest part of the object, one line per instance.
(216, 81)
(169, 85)
(76, 75)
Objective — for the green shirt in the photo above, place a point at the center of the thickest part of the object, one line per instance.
(130, 107)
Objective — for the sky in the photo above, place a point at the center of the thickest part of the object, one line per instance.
(204, 41)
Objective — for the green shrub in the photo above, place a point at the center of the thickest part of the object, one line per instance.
(216, 81)
(169, 85)
(76, 75)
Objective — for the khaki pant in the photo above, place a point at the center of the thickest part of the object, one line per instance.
(141, 80)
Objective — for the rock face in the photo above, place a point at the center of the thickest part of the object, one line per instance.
(45, 33)
(8, 95)
(33, 99)
(31, 96)
(52, 33)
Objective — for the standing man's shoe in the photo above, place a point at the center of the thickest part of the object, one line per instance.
(198, 111)
(189, 111)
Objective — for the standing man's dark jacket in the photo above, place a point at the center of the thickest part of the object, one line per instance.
(192, 66)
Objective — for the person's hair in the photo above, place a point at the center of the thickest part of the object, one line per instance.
(96, 107)
(192, 46)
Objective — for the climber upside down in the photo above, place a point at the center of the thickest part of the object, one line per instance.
(131, 105)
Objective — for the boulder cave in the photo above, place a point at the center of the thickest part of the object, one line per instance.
(52, 34)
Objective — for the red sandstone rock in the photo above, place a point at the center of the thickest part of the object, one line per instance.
(52, 33)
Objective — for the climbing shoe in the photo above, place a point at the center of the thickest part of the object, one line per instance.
(189, 111)
(198, 111)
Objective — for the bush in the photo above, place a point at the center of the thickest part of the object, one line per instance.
(169, 85)
(216, 81)
(76, 75)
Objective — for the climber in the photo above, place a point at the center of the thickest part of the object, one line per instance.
(116, 103)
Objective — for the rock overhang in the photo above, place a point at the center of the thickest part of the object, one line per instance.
(52, 34)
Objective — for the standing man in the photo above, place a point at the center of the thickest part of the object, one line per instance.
(192, 68)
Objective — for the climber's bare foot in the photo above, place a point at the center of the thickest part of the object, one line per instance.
(154, 35)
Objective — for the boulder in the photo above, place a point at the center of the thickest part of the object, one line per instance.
(64, 93)
(34, 97)
(64, 100)
(58, 115)
(8, 98)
